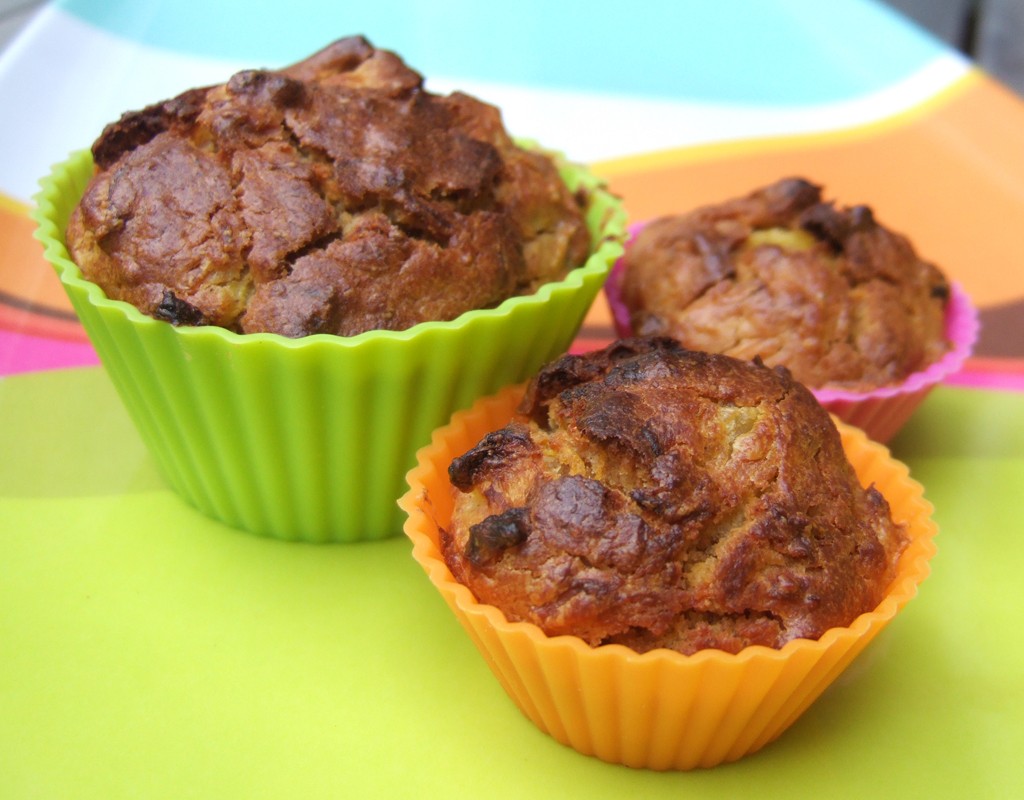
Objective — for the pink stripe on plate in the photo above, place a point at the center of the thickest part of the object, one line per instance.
(20, 352)
(993, 374)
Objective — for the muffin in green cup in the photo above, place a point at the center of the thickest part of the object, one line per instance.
(308, 438)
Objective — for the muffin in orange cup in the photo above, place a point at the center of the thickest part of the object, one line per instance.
(675, 703)
(842, 301)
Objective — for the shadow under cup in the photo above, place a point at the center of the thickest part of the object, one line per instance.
(310, 439)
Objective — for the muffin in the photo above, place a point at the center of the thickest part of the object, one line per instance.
(595, 691)
(845, 303)
(658, 497)
(263, 284)
(336, 195)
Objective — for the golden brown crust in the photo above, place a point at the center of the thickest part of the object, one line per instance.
(333, 196)
(658, 497)
(780, 274)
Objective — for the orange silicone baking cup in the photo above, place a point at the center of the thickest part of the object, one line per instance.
(658, 710)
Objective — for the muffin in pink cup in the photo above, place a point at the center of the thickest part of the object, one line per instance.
(846, 304)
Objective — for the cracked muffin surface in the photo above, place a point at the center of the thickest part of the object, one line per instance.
(653, 496)
(336, 195)
(828, 292)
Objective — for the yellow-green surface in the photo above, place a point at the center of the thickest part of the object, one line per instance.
(148, 652)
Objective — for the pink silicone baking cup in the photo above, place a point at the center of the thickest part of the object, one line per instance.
(658, 710)
(881, 412)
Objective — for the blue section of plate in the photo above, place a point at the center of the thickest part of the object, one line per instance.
(676, 50)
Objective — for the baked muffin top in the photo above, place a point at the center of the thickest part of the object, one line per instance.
(658, 497)
(336, 196)
(783, 275)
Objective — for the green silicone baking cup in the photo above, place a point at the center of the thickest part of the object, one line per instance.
(310, 439)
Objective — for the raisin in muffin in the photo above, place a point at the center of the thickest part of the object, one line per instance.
(830, 293)
(653, 496)
(335, 196)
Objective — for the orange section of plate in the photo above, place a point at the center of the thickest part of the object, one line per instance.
(32, 300)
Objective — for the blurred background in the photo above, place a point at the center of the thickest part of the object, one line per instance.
(989, 31)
